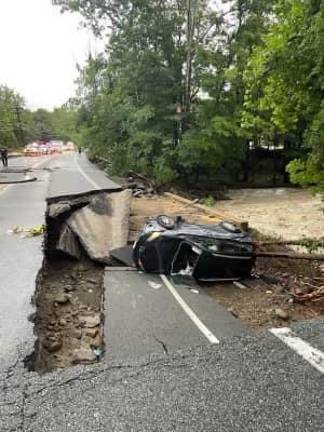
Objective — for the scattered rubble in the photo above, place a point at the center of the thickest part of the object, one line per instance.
(280, 313)
(69, 324)
(80, 232)
(141, 186)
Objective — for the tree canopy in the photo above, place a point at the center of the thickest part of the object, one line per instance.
(187, 90)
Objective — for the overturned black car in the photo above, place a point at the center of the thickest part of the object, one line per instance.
(205, 252)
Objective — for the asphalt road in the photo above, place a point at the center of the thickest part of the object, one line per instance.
(244, 383)
(20, 258)
(143, 317)
(75, 175)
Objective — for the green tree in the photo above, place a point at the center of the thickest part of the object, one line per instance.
(284, 80)
(168, 99)
(12, 127)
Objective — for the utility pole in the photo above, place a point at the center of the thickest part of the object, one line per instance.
(20, 130)
(192, 9)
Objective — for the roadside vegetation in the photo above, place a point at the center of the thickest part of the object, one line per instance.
(192, 92)
(19, 125)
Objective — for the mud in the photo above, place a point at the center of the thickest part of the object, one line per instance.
(287, 213)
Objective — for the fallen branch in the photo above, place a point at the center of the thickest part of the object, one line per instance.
(310, 257)
(309, 243)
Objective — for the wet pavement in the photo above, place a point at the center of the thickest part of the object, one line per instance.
(21, 259)
(143, 317)
(244, 383)
(74, 175)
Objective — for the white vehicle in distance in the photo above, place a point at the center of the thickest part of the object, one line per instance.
(32, 149)
(56, 146)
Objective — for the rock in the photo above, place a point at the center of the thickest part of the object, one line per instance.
(52, 345)
(77, 334)
(90, 321)
(84, 356)
(69, 288)
(82, 268)
(92, 332)
(280, 313)
(74, 277)
(92, 281)
(62, 299)
(96, 342)
(232, 311)
(62, 322)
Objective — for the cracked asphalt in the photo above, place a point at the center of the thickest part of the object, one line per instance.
(246, 383)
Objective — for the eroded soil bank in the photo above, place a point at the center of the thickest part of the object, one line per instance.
(69, 317)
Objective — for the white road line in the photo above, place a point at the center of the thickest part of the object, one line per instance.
(85, 175)
(312, 355)
(201, 326)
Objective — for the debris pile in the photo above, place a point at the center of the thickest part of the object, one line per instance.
(300, 283)
(69, 317)
(306, 289)
(141, 186)
(80, 233)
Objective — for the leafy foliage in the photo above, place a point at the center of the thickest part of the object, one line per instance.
(185, 90)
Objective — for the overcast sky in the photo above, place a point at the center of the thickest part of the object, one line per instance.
(39, 48)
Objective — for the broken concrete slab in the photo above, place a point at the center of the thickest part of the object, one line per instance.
(55, 210)
(103, 224)
(69, 243)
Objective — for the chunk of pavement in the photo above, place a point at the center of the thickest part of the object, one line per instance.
(83, 356)
(62, 299)
(52, 345)
(103, 224)
(68, 242)
(90, 321)
(57, 209)
(280, 313)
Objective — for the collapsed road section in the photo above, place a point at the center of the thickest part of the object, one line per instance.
(84, 221)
